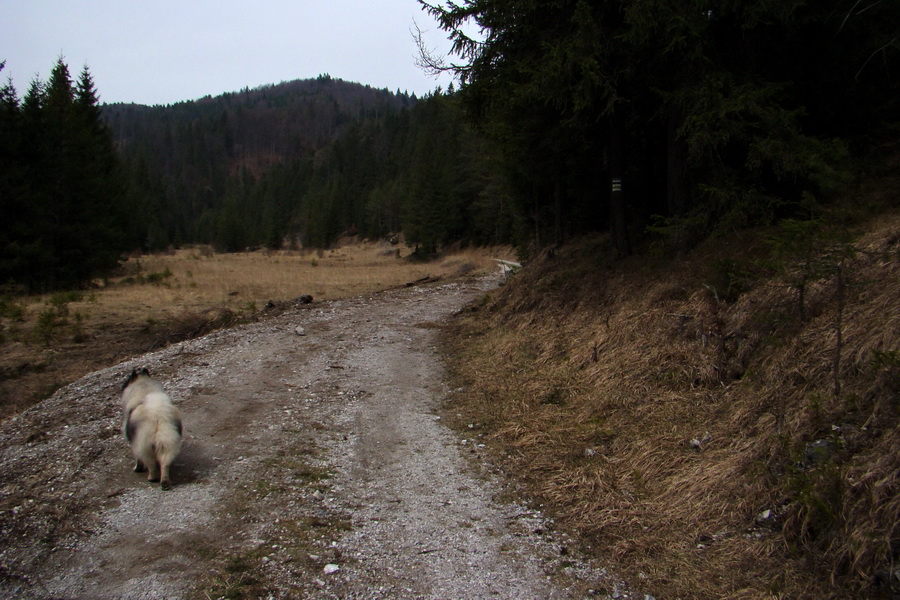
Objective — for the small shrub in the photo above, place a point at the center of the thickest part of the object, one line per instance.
(888, 360)
(11, 310)
(732, 278)
(817, 503)
(61, 300)
(47, 323)
(79, 336)
(158, 277)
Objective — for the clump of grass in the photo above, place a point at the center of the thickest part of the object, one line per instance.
(237, 579)
(158, 277)
(61, 300)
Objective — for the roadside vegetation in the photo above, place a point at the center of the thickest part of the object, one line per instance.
(718, 424)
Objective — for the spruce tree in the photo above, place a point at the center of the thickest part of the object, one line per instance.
(13, 185)
(64, 198)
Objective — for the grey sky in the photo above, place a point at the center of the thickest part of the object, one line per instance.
(165, 51)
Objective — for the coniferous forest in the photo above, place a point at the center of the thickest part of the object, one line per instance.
(63, 204)
(666, 120)
(300, 164)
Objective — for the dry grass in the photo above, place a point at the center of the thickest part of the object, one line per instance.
(48, 341)
(659, 420)
(196, 279)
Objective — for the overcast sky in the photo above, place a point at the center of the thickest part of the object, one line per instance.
(165, 51)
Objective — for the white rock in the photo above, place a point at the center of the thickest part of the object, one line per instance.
(330, 569)
(764, 516)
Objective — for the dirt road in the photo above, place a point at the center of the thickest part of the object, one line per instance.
(315, 465)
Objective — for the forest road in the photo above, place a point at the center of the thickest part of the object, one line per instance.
(314, 465)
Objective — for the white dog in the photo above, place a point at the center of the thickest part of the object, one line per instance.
(152, 426)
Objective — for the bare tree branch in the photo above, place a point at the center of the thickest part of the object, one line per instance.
(853, 12)
(882, 49)
(433, 63)
(427, 58)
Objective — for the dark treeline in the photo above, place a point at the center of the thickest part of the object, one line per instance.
(680, 118)
(296, 164)
(421, 172)
(713, 114)
(61, 199)
(193, 168)
(302, 163)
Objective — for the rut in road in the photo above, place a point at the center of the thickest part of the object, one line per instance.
(314, 465)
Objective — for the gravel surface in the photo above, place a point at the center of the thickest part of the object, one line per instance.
(315, 465)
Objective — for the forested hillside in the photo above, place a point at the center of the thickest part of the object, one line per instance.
(295, 164)
(301, 163)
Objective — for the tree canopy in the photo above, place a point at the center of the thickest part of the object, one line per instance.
(711, 112)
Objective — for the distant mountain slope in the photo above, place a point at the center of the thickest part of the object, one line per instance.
(253, 127)
(188, 166)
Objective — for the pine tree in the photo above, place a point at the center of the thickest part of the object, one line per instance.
(13, 184)
(65, 226)
(102, 208)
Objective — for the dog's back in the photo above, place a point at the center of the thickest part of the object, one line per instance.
(138, 385)
(152, 425)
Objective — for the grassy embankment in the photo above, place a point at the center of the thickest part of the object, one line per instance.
(724, 424)
(49, 340)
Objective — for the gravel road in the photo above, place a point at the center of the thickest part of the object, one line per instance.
(315, 465)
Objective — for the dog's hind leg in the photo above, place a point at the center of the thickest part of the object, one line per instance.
(166, 455)
(165, 482)
(153, 469)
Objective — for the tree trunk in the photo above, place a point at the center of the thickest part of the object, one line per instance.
(676, 165)
(558, 209)
(617, 206)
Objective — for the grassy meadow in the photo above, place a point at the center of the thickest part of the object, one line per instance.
(52, 339)
(196, 279)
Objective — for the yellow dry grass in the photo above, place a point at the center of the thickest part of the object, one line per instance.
(196, 279)
(156, 299)
(659, 421)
